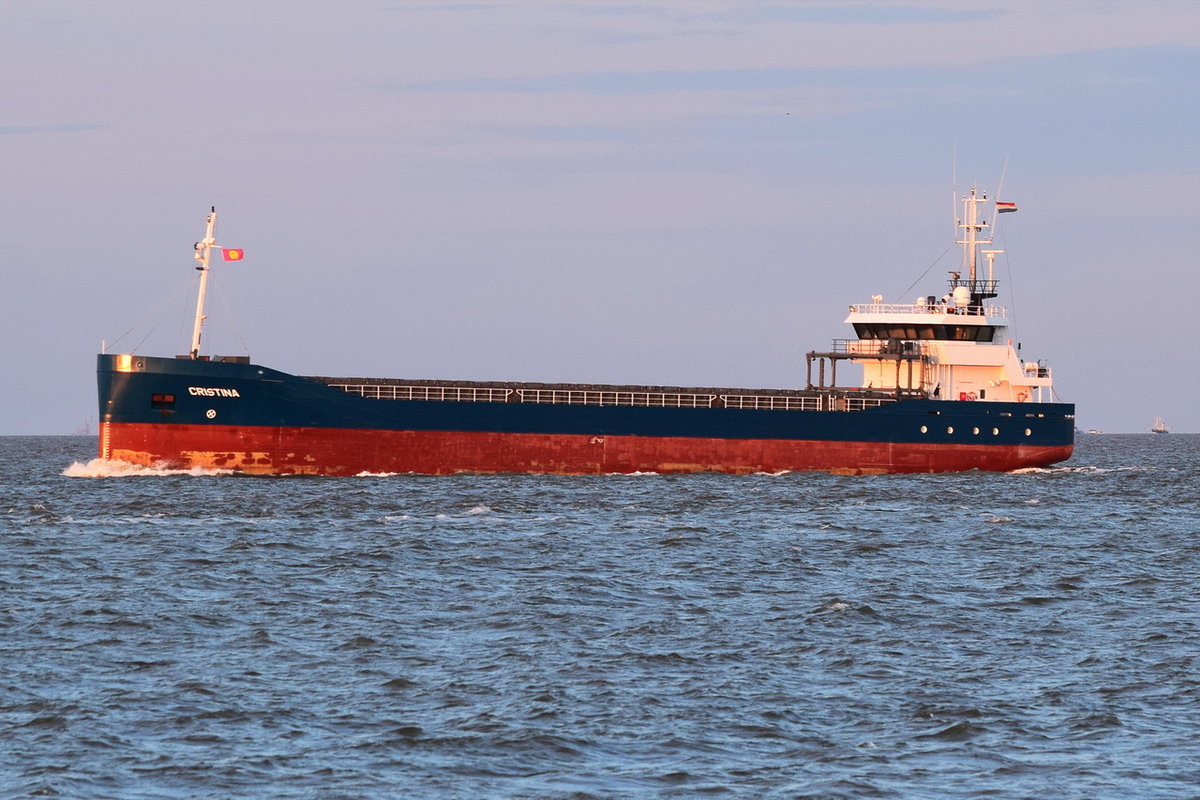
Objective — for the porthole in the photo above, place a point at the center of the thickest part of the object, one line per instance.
(949, 429)
(975, 431)
(995, 431)
(924, 429)
(1028, 432)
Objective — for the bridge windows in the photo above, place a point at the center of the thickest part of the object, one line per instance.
(945, 333)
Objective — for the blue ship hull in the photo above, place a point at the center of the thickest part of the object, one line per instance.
(244, 417)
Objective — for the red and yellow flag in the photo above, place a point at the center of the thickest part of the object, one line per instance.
(233, 253)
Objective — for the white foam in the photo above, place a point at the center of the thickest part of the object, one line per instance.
(476, 511)
(114, 468)
(1079, 470)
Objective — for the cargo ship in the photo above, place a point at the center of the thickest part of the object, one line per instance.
(936, 386)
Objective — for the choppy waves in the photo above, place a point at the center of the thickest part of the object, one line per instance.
(756, 636)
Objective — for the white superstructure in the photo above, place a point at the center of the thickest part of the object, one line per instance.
(954, 347)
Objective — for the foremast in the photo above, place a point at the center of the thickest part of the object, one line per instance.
(204, 249)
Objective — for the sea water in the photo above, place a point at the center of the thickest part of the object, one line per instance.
(179, 635)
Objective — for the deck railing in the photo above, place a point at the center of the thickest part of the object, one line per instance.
(862, 403)
(455, 394)
(615, 398)
(771, 402)
(923, 308)
(1035, 370)
(873, 347)
(473, 394)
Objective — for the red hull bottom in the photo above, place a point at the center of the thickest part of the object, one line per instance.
(337, 451)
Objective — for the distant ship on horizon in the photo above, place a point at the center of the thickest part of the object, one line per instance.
(1159, 426)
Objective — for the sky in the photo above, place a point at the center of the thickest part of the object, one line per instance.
(684, 193)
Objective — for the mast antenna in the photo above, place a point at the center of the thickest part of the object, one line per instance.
(954, 187)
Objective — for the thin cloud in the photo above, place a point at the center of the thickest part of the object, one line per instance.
(28, 130)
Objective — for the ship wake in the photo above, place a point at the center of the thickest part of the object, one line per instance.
(114, 468)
